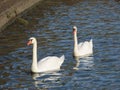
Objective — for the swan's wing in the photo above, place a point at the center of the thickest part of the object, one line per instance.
(86, 44)
(83, 45)
(50, 63)
(80, 44)
(85, 48)
(49, 58)
(44, 59)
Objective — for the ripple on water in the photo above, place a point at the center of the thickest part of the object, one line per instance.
(52, 26)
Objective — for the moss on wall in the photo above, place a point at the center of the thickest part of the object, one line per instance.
(10, 9)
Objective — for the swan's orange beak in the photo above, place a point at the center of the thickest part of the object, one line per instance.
(29, 42)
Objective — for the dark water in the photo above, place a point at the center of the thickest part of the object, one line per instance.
(51, 23)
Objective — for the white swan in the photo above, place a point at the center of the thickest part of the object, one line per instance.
(49, 63)
(82, 49)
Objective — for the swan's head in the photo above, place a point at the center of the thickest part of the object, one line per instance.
(32, 40)
(74, 29)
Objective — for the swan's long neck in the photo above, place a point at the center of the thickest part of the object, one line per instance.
(75, 41)
(34, 62)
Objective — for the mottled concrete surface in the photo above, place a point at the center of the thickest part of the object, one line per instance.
(9, 9)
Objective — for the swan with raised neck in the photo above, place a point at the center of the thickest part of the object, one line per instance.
(49, 63)
(82, 49)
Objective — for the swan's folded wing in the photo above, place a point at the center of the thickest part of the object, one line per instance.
(51, 58)
(49, 63)
(85, 47)
(80, 44)
(86, 44)
(44, 59)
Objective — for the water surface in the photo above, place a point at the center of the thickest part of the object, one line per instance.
(51, 23)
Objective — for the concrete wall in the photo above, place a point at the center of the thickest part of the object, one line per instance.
(9, 9)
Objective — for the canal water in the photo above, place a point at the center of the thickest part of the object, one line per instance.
(51, 22)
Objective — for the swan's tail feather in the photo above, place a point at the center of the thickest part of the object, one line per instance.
(91, 43)
(91, 40)
(62, 57)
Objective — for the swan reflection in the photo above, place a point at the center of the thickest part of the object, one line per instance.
(47, 80)
(84, 62)
(77, 63)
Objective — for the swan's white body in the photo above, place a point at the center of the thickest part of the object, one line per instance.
(49, 63)
(83, 48)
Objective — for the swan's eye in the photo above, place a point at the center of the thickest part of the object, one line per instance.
(30, 40)
(73, 29)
